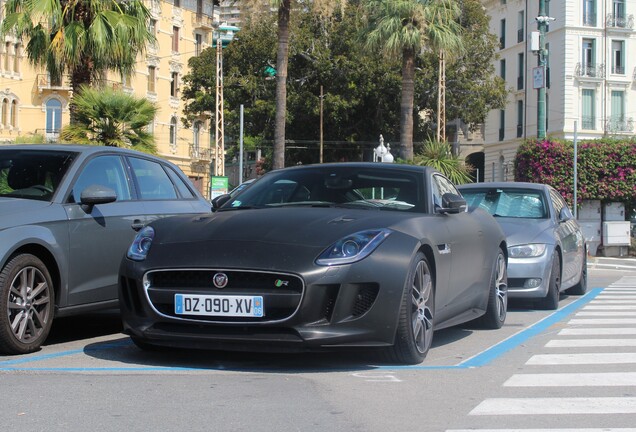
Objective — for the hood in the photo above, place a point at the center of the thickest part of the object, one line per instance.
(17, 211)
(312, 227)
(521, 231)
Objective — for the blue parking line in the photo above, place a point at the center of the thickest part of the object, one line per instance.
(486, 357)
(482, 359)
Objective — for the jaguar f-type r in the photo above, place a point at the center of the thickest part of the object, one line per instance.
(318, 257)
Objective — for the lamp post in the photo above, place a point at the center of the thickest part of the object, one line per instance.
(539, 73)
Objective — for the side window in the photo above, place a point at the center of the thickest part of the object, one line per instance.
(183, 189)
(557, 202)
(152, 179)
(436, 192)
(105, 171)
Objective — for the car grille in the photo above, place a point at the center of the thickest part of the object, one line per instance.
(281, 292)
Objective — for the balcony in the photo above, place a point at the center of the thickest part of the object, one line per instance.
(619, 21)
(591, 70)
(588, 122)
(520, 35)
(619, 125)
(115, 85)
(44, 83)
(589, 19)
(519, 131)
(202, 21)
(198, 153)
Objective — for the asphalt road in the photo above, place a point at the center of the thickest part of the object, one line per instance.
(571, 369)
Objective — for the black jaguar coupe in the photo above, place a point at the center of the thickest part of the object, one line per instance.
(318, 257)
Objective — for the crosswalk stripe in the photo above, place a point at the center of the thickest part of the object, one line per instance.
(608, 379)
(575, 343)
(582, 358)
(615, 297)
(597, 331)
(610, 301)
(611, 321)
(612, 313)
(609, 307)
(568, 405)
(546, 430)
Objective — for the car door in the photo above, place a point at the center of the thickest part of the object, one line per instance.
(100, 234)
(571, 240)
(163, 191)
(465, 241)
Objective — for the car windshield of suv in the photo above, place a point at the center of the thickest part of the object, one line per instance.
(333, 187)
(32, 174)
(513, 203)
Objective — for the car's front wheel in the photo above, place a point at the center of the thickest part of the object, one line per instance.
(551, 300)
(581, 287)
(497, 308)
(415, 326)
(26, 304)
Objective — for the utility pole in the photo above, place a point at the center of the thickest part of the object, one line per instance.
(441, 99)
(539, 74)
(219, 148)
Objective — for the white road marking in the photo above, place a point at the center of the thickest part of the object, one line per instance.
(583, 358)
(546, 430)
(612, 313)
(597, 331)
(548, 406)
(596, 321)
(574, 343)
(609, 307)
(609, 379)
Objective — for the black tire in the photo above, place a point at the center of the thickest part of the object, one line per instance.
(497, 308)
(551, 300)
(581, 287)
(414, 333)
(26, 304)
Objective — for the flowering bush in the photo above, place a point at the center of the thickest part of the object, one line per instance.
(606, 168)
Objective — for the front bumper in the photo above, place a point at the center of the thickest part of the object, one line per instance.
(529, 277)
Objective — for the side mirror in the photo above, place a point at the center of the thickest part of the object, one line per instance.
(217, 202)
(565, 215)
(452, 204)
(96, 194)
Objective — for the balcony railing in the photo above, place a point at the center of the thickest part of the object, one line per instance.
(44, 82)
(200, 153)
(115, 85)
(519, 131)
(202, 21)
(588, 122)
(520, 82)
(520, 34)
(618, 70)
(619, 21)
(593, 70)
(620, 124)
(589, 19)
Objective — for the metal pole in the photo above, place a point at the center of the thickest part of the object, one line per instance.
(541, 114)
(321, 134)
(241, 147)
(574, 201)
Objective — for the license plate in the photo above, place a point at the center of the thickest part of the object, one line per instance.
(218, 305)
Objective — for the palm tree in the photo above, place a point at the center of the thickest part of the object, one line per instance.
(437, 154)
(105, 116)
(402, 29)
(80, 38)
(323, 7)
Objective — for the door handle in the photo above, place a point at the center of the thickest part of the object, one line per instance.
(137, 225)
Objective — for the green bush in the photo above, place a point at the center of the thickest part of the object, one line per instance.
(606, 168)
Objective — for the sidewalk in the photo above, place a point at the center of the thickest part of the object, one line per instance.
(620, 263)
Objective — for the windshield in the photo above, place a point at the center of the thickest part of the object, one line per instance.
(333, 186)
(513, 203)
(32, 174)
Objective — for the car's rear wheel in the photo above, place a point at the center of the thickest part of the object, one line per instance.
(497, 308)
(551, 300)
(26, 304)
(415, 326)
(581, 287)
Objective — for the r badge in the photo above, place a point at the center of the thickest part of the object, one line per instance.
(220, 280)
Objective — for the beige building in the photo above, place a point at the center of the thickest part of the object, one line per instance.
(33, 105)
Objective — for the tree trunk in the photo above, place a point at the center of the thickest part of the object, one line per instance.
(281, 84)
(406, 105)
(81, 75)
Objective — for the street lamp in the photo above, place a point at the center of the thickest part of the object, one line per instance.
(539, 73)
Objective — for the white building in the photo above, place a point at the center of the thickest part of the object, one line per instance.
(590, 74)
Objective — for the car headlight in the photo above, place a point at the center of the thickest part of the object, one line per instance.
(527, 250)
(140, 246)
(352, 248)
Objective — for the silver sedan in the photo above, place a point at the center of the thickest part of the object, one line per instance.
(546, 248)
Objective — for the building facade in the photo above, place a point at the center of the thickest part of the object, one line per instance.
(33, 105)
(589, 79)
